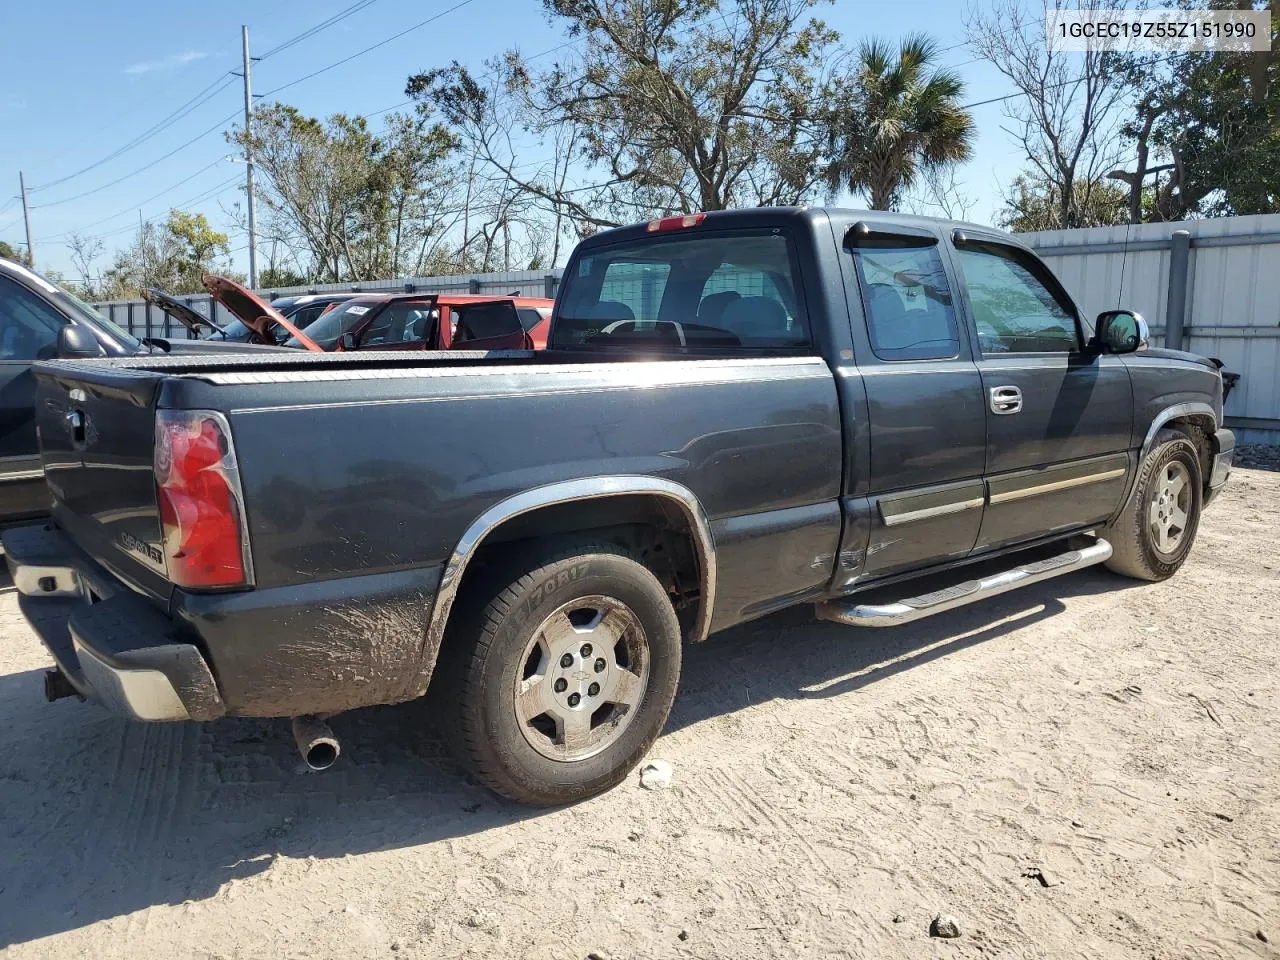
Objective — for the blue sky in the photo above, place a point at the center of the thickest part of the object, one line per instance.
(84, 78)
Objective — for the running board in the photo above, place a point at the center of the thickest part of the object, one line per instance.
(926, 605)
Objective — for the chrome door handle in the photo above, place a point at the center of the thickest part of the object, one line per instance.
(1005, 400)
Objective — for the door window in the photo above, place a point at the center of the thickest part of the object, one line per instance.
(399, 323)
(484, 321)
(1015, 311)
(910, 310)
(28, 326)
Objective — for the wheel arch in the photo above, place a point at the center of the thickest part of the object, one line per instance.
(488, 528)
(1194, 414)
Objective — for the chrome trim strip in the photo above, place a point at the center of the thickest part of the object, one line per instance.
(1056, 485)
(926, 513)
(962, 594)
(1172, 413)
(568, 491)
(21, 475)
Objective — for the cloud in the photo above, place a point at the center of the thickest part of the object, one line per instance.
(168, 63)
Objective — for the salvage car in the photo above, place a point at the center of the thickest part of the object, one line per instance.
(40, 320)
(738, 412)
(301, 311)
(418, 321)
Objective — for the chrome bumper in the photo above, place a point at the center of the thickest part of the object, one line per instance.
(113, 647)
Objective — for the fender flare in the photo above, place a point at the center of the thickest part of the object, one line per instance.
(569, 491)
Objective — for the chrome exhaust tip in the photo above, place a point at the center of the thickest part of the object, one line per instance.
(317, 745)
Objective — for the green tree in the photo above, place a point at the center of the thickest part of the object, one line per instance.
(666, 106)
(1031, 206)
(898, 114)
(351, 203)
(8, 252)
(1210, 121)
(170, 256)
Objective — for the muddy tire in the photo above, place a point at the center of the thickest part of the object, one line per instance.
(560, 673)
(1154, 533)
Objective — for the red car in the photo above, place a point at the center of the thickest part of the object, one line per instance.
(417, 321)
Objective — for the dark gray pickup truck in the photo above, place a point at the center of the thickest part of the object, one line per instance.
(737, 412)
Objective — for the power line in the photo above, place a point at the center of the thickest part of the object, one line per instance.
(323, 25)
(141, 203)
(205, 95)
(199, 136)
(369, 49)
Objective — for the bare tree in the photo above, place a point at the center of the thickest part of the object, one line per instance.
(85, 251)
(674, 106)
(1067, 118)
(940, 194)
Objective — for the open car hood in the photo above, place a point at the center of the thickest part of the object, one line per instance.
(189, 318)
(251, 310)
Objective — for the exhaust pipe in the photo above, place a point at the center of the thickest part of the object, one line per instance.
(317, 745)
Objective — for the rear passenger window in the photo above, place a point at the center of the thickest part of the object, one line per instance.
(28, 326)
(906, 298)
(685, 291)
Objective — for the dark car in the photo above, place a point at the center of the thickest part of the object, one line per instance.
(738, 412)
(34, 315)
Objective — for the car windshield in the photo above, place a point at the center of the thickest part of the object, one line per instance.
(235, 330)
(328, 330)
(94, 317)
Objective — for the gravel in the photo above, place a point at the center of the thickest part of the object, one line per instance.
(1260, 456)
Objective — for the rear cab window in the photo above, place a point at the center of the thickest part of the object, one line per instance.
(722, 291)
(906, 298)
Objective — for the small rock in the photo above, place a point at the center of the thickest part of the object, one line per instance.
(656, 775)
(945, 926)
(1041, 875)
(395, 946)
(899, 918)
(1077, 824)
(597, 955)
(1261, 936)
(1223, 816)
(683, 934)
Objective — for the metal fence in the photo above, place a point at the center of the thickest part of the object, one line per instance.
(143, 320)
(1208, 286)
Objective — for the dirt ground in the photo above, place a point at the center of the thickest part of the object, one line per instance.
(833, 791)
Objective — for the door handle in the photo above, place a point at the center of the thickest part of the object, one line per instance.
(1005, 400)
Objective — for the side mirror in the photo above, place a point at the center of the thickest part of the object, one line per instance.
(349, 341)
(76, 342)
(1121, 331)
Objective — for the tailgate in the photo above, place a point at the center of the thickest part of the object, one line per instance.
(97, 436)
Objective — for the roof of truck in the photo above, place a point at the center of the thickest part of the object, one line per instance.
(771, 216)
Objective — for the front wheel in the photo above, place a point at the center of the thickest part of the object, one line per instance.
(1152, 536)
(563, 675)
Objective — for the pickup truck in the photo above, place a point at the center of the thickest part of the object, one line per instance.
(738, 412)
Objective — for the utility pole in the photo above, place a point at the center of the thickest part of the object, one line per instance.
(248, 159)
(26, 220)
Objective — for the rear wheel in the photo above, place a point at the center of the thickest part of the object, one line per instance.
(564, 670)
(1154, 533)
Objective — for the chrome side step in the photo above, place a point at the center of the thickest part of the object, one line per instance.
(926, 605)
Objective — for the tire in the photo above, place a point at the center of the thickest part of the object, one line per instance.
(1138, 550)
(508, 652)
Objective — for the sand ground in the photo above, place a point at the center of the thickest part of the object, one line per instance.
(833, 790)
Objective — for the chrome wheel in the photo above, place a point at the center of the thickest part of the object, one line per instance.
(583, 675)
(1167, 517)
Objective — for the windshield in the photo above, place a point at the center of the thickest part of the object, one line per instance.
(93, 316)
(328, 330)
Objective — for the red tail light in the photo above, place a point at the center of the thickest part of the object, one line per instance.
(206, 541)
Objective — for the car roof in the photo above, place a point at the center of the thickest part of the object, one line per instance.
(841, 218)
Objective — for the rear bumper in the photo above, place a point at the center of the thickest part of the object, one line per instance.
(1224, 449)
(112, 646)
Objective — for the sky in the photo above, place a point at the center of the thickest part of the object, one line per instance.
(84, 79)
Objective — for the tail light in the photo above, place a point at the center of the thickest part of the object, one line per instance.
(675, 223)
(206, 541)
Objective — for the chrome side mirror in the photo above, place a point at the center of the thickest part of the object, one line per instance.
(1121, 331)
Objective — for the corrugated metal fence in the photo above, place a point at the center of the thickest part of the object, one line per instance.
(143, 320)
(1208, 286)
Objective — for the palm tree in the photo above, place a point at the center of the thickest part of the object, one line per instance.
(896, 117)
